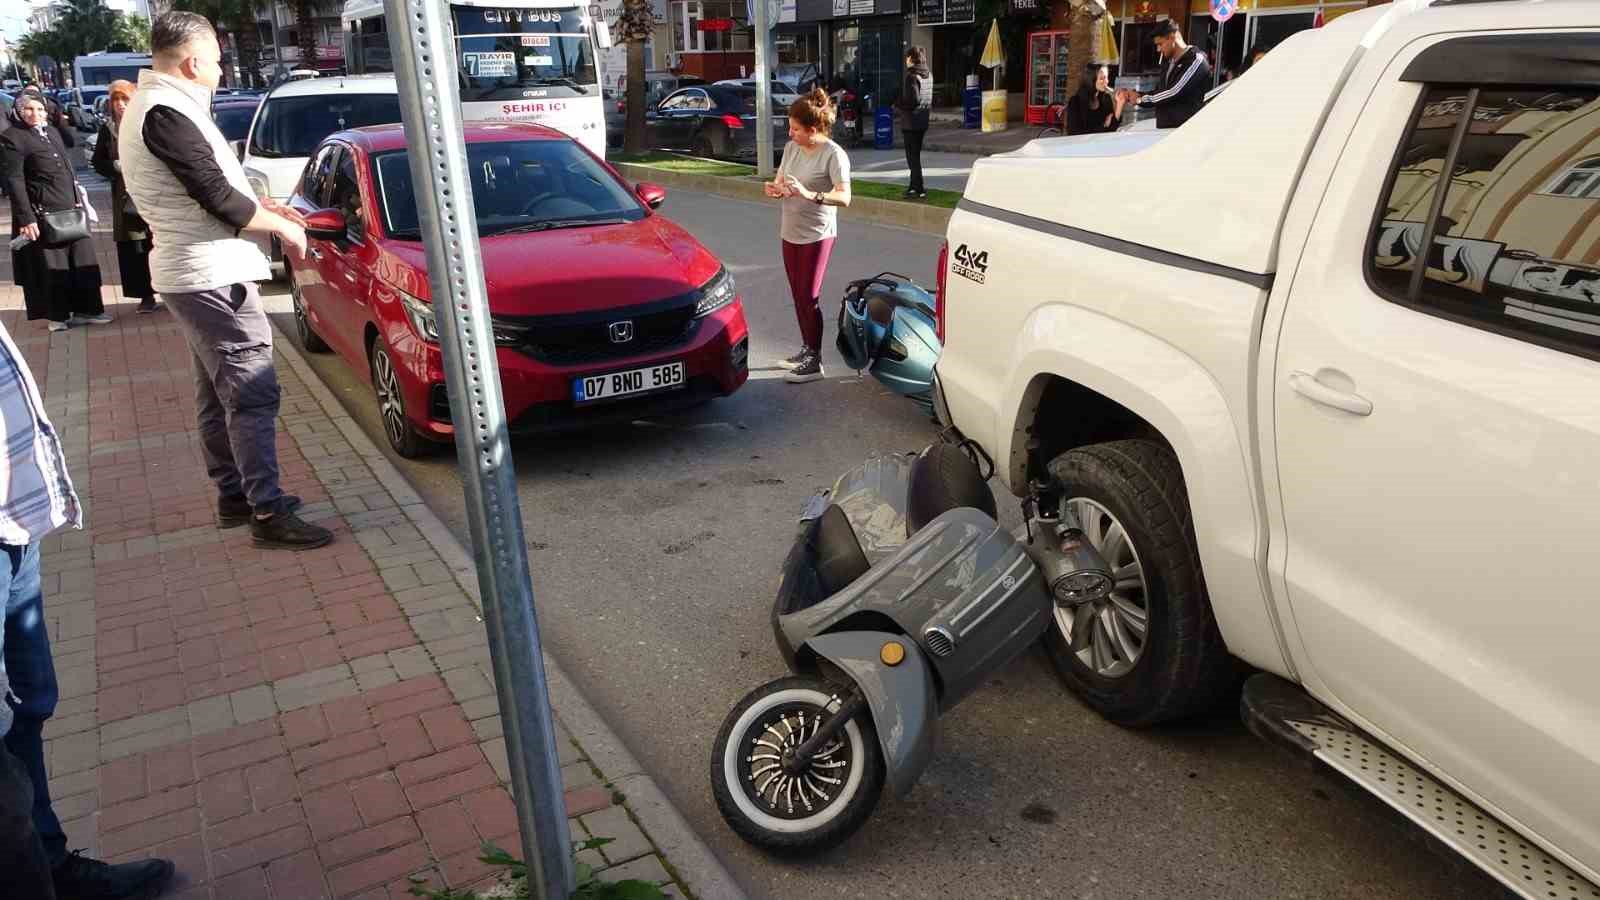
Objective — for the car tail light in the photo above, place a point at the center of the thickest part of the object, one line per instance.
(732, 121)
(938, 297)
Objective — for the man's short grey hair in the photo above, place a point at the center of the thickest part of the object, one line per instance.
(172, 32)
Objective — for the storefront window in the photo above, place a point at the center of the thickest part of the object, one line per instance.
(1272, 28)
(869, 58)
(1139, 56)
(689, 36)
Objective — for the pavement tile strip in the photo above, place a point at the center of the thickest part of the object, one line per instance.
(320, 724)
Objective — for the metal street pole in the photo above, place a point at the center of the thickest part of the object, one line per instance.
(763, 90)
(430, 108)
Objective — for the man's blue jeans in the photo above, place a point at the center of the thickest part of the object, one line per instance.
(32, 674)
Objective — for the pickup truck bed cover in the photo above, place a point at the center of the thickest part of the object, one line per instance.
(1232, 168)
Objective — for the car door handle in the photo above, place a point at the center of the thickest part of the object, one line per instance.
(1308, 386)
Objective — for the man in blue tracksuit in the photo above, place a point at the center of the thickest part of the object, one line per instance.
(1185, 78)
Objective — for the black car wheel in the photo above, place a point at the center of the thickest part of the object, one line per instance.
(397, 425)
(302, 320)
(703, 147)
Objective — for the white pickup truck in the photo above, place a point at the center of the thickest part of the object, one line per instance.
(1365, 473)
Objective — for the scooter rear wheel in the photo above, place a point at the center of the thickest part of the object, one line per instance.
(794, 815)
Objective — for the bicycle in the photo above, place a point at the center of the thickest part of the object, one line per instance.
(1055, 115)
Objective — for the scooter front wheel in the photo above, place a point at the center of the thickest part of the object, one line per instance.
(791, 813)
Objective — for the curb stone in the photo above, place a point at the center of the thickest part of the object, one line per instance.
(690, 859)
(913, 216)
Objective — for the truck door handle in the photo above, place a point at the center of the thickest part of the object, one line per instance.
(1308, 386)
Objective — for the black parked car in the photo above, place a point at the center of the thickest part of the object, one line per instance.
(234, 113)
(712, 121)
(657, 85)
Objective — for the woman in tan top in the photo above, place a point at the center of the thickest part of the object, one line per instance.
(812, 180)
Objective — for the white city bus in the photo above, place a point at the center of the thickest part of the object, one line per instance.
(93, 73)
(517, 60)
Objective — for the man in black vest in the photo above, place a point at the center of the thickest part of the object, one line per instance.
(1184, 80)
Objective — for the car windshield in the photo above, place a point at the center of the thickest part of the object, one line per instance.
(233, 120)
(516, 186)
(294, 126)
(512, 54)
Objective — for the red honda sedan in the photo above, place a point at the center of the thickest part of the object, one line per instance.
(603, 310)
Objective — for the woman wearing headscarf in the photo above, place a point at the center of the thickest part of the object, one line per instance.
(129, 229)
(59, 281)
(1094, 109)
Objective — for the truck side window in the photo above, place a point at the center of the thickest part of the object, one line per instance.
(1516, 244)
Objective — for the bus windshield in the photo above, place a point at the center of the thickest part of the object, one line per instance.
(509, 54)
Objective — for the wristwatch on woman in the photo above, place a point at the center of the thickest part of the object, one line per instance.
(817, 199)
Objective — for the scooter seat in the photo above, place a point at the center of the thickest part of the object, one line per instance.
(944, 478)
(840, 559)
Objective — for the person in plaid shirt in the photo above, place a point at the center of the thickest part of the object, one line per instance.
(36, 498)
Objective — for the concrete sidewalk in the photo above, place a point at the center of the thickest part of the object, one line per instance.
(285, 725)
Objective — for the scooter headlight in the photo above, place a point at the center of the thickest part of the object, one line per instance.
(1076, 588)
(715, 294)
(1078, 574)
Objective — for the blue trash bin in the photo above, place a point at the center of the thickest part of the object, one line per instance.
(883, 128)
(972, 108)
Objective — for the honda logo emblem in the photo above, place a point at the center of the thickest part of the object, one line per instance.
(621, 332)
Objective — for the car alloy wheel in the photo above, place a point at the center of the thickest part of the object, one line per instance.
(391, 405)
(308, 338)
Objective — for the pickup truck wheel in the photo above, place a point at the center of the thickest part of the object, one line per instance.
(1151, 652)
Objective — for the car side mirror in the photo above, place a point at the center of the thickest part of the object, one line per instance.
(652, 195)
(238, 148)
(326, 225)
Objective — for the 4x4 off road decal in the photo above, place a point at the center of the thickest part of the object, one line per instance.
(970, 264)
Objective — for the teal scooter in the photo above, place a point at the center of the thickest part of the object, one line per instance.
(889, 328)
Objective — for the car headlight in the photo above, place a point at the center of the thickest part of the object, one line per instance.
(508, 334)
(422, 319)
(426, 325)
(258, 183)
(715, 294)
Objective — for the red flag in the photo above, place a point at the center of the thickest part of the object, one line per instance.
(1317, 22)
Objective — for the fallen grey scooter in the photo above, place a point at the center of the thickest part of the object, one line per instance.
(901, 595)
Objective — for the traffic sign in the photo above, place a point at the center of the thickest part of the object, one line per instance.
(1223, 10)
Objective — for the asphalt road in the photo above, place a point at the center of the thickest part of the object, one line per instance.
(655, 551)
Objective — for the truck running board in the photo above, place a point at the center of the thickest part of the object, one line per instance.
(1282, 713)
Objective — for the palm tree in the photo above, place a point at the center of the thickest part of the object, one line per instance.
(1080, 41)
(635, 26)
(305, 23)
(235, 17)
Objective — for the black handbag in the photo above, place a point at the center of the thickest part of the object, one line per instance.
(132, 222)
(57, 229)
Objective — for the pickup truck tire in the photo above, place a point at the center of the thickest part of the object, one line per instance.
(1182, 666)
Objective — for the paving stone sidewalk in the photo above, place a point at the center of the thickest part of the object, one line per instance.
(282, 725)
